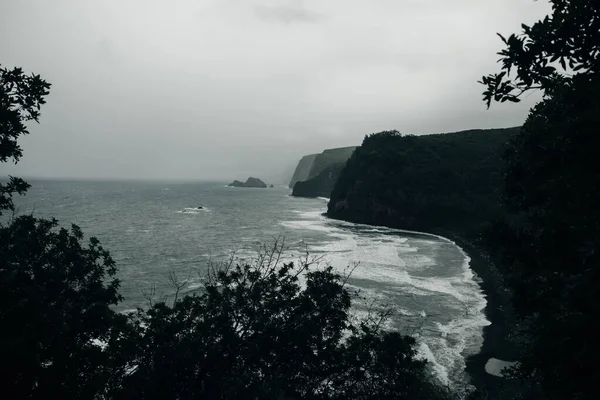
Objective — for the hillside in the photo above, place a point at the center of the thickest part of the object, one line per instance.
(428, 182)
(313, 164)
(321, 185)
(302, 169)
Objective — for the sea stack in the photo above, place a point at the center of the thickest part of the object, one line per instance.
(250, 183)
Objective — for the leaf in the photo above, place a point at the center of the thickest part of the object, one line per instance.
(547, 70)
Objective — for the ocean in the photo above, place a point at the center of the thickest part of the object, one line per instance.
(151, 228)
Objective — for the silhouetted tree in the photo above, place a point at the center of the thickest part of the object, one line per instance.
(55, 293)
(272, 330)
(21, 97)
(567, 41)
(549, 240)
(55, 298)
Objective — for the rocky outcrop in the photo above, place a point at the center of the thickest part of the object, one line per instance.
(250, 183)
(321, 185)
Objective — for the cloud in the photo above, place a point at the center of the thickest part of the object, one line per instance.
(287, 14)
(215, 88)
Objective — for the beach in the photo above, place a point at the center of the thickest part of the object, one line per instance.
(498, 311)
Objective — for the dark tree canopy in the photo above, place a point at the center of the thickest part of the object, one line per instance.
(562, 45)
(549, 239)
(272, 330)
(21, 97)
(55, 298)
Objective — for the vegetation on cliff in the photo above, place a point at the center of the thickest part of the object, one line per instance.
(448, 181)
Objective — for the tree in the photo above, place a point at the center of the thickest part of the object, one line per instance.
(272, 330)
(549, 240)
(55, 298)
(569, 39)
(21, 97)
(55, 293)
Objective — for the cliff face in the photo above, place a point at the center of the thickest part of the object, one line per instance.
(429, 182)
(321, 185)
(329, 157)
(317, 173)
(303, 169)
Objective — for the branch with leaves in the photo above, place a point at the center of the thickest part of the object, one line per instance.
(549, 53)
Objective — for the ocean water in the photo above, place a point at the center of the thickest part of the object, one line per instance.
(151, 228)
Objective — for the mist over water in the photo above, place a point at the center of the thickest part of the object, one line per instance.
(151, 228)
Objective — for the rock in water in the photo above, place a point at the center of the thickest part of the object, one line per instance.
(250, 183)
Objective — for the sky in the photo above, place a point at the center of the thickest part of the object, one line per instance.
(226, 89)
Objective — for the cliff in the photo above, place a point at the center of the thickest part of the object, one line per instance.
(321, 185)
(329, 157)
(250, 183)
(312, 165)
(302, 169)
(430, 182)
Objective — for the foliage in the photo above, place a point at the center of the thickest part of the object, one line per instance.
(549, 237)
(55, 298)
(21, 97)
(429, 182)
(272, 330)
(257, 330)
(567, 41)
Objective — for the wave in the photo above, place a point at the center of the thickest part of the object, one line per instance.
(426, 278)
(193, 210)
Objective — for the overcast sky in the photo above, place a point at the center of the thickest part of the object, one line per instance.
(224, 89)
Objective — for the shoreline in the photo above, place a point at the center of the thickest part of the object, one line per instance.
(498, 311)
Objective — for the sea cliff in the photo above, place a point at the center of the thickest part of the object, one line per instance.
(448, 184)
(318, 173)
(425, 183)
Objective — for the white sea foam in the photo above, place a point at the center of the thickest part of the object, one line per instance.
(193, 210)
(194, 286)
(452, 324)
(424, 352)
